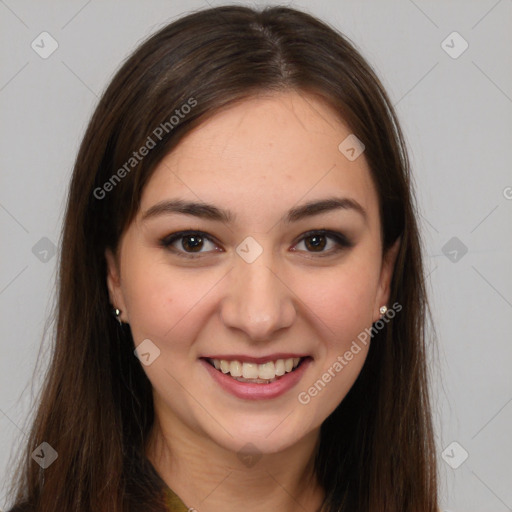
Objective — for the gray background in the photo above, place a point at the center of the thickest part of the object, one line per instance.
(456, 113)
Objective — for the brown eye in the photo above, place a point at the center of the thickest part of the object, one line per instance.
(316, 242)
(323, 242)
(192, 242)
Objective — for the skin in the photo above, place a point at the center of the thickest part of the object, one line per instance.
(258, 158)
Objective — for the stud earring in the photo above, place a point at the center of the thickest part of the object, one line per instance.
(117, 314)
(383, 310)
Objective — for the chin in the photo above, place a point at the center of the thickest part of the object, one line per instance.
(264, 439)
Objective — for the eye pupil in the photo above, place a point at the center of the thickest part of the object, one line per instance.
(195, 244)
(318, 242)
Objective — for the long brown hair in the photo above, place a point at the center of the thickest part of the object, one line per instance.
(376, 450)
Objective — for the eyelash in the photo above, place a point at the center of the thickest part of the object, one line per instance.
(339, 238)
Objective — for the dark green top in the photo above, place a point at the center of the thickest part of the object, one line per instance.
(173, 502)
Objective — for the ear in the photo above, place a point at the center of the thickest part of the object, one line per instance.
(386, 275)
(114, 284)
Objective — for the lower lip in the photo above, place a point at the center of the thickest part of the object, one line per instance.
(254, 391)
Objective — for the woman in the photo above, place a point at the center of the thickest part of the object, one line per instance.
(241, 303)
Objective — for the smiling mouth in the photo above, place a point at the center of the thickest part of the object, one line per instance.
(255, 373)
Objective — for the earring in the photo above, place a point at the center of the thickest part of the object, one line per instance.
(117, 314)
(383, 310)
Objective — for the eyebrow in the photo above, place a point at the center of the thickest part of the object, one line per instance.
(211, 212)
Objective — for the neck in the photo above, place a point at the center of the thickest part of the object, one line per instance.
(208, 478)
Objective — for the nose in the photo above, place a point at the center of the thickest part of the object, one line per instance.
(257, 302)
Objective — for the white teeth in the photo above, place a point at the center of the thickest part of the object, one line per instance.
(249, 370)
(266, 371)
(235, 369)
(279, 367)
(224, 366)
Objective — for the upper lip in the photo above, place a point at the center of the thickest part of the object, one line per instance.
(252, 359)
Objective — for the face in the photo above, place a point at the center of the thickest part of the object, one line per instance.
(284, 266)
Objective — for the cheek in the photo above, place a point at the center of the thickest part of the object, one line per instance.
(162, 303)
(147, 299)
(342, 298)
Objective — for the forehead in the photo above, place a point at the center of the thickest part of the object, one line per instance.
(263, 155)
